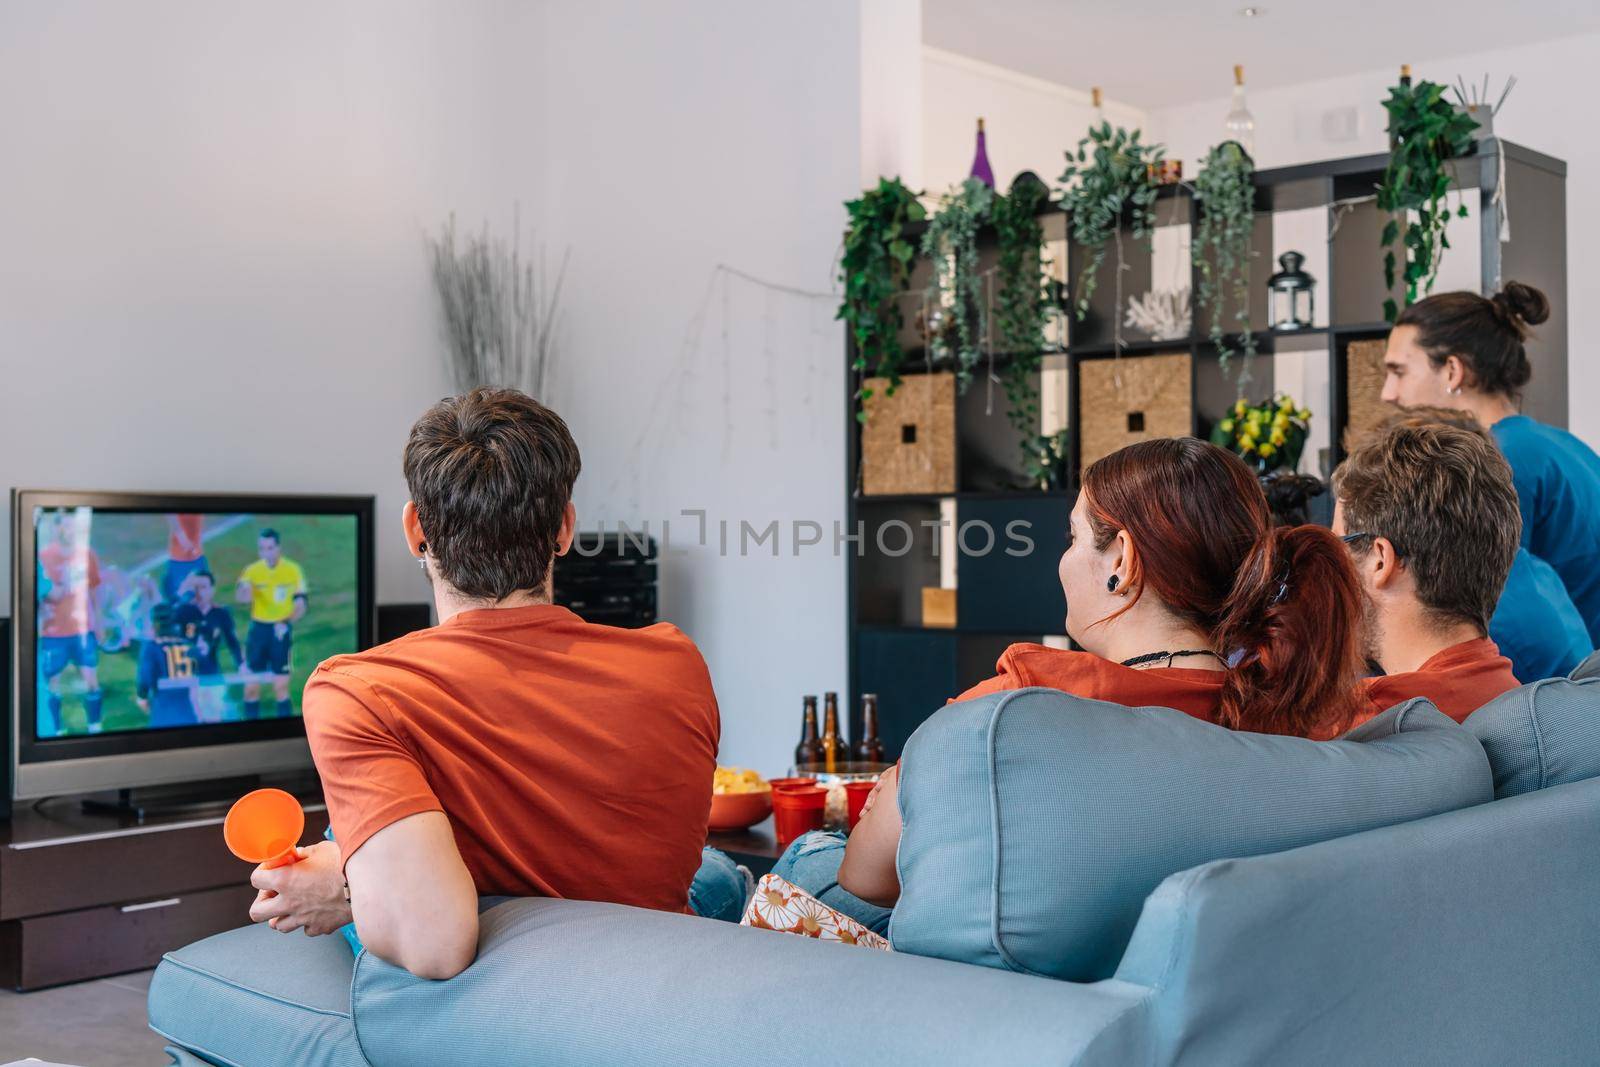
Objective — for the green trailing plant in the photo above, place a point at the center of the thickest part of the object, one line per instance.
(1110, 173)
(874, 269)
(1426, 132)
(951, 242)
(1221, 248)
(1019, 320)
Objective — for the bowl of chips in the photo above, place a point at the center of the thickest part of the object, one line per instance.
(740, 798)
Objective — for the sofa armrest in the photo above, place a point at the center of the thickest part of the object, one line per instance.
(562, 982)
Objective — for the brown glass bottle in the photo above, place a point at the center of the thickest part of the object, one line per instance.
(868, 747)
(808, 753)
(833, 746)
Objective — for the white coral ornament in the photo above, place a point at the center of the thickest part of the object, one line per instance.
(1161, 313)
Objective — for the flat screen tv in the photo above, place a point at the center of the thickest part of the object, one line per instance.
(166, 638)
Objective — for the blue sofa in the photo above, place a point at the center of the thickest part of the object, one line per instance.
(1213, 913)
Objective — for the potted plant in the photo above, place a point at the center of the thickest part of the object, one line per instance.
(1425, 131)
(1111, 172)
(1268, 436)
(1221, 247)
(1019, 315)
(874, 269)
(951, 242)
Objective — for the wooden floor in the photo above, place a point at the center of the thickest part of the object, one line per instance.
(91, 1024)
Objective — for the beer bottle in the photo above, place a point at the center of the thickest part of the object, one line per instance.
(868, 747)
(833, 747)
(808, 753)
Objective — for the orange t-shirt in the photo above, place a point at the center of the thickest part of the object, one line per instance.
(1459, 680)
(190, 525)
(1193, 692)
(573, 760)
(75, 576)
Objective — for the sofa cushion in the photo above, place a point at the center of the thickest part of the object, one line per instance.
(564, 983)
(1589, 668)
(1543, 734)
(1036, 822)
(255, 996)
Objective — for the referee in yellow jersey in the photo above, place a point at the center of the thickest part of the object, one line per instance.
(275, 589)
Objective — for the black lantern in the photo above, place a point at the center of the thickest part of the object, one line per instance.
(1290, 294)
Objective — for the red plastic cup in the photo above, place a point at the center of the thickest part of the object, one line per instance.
(263, 827)
(791, 783)
(796, 810)
(855, 798)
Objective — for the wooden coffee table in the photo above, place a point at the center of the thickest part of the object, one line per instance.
(756, 848)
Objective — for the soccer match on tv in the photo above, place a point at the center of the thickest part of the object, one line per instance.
(155, 621)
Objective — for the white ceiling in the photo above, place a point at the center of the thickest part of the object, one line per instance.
(1154, 53)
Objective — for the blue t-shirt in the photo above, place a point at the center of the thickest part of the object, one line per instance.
(1536, 624)
(1558, 489)
(166, 679)
(209, 631)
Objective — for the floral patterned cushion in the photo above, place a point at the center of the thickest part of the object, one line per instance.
(783, 906)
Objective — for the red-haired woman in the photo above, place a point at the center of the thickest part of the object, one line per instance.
(1181, 594)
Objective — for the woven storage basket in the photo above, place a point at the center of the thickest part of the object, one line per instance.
(908, 443)
(1363, 376)
(1134, 398)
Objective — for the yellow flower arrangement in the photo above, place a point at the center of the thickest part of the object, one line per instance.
(1268, 436)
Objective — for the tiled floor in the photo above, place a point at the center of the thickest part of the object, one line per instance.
(91, 1024)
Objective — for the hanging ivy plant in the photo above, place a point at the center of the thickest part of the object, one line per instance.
(1110, 173)
(1019, 317)
(1221, 247)
(951, 242)
(1426, 131)
(874, 269)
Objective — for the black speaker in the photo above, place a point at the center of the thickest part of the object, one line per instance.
(397, 620)
(9, 720)
(609, 579)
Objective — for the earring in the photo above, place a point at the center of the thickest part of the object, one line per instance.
(1111, 584)
(1456, 391)
(422, 560)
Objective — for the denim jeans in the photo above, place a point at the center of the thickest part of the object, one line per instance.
(721, 888)
(812, 863)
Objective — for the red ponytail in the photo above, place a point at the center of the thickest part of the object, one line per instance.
(1282, 606)
(1292, 627)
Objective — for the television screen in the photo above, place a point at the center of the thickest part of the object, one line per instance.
(150, 620)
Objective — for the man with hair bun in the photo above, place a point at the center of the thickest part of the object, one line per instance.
(1431, 519)
(1465, 351)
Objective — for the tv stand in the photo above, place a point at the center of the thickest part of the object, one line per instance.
(190, 798)
(90, 893)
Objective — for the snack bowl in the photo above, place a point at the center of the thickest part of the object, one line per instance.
(739, 811)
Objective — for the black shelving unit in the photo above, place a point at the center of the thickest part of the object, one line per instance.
(1003, 598)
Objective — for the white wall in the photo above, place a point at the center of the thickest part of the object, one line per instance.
(728, 138)
(1539, 114)
(1029, 123)
(212, 274)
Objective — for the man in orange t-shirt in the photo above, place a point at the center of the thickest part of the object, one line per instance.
(512, 749)
(1430, 514)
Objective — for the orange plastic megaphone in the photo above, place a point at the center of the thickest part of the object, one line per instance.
(263, 827)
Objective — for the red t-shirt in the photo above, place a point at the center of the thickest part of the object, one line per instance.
(190, 526)
(1193, 692)
(74, 575)
(573, 760)
(1459, 680)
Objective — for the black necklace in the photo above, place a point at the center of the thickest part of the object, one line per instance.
(1151, 657)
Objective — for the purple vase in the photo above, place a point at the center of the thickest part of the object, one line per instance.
(980, 161)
